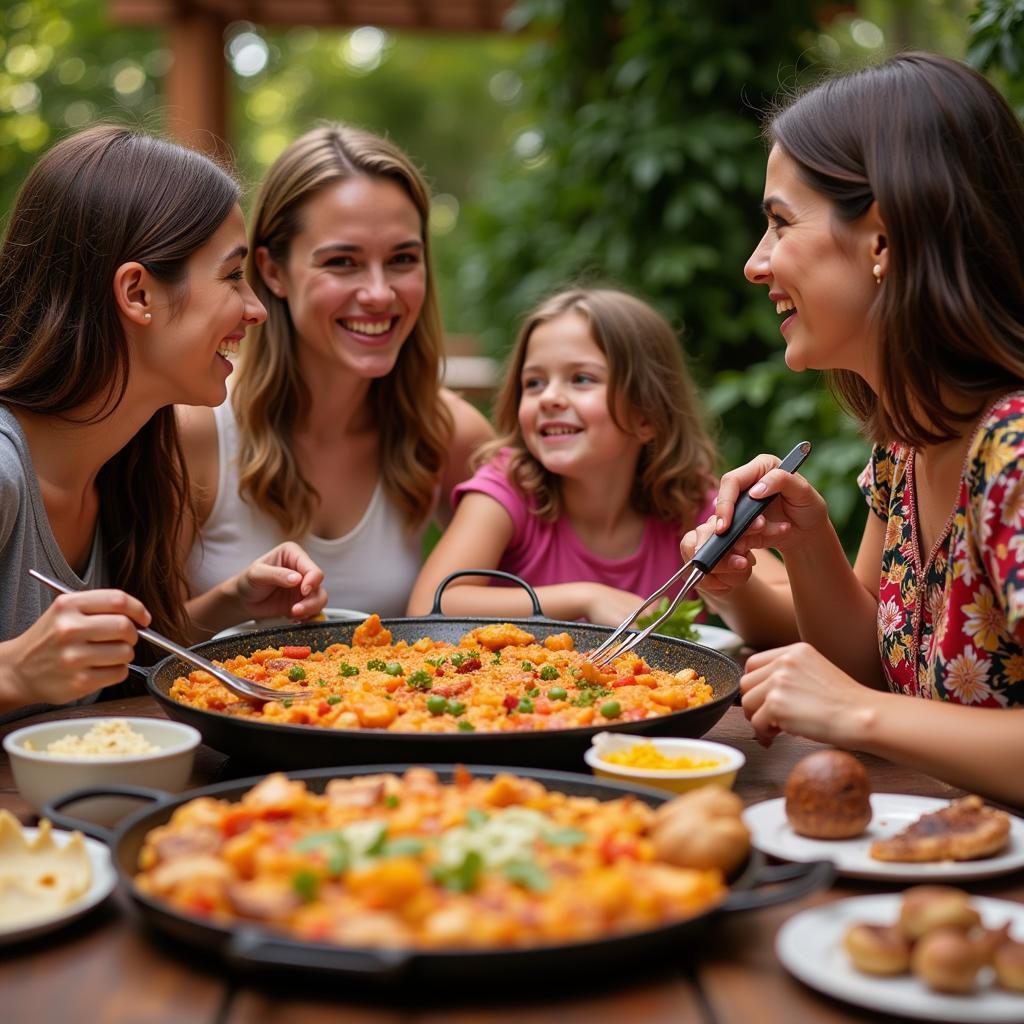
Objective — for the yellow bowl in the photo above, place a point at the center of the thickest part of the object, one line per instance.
(675, 780)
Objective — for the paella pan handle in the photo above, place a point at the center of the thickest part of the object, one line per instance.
(252, 948)
(537, 613)
(104, 835)
(784, 882)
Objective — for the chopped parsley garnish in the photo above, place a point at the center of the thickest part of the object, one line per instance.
(419, 680)
(344, 669)
(549, 672)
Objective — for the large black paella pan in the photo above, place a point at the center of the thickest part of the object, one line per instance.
(276, 745)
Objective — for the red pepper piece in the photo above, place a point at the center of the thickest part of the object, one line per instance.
(295, 653)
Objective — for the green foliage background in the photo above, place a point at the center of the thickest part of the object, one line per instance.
(612, 140)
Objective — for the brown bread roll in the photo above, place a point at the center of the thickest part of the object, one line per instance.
(828, 796)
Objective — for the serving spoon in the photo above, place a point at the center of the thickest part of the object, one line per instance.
(236, 684)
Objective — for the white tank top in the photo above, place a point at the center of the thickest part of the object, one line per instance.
(372, 568)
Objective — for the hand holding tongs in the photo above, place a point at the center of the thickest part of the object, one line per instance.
(704, 560)
(236, 684)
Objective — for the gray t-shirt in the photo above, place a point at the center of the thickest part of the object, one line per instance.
(26, 541)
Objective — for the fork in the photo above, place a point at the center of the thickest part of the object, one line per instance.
(704, 560)
(236, 684)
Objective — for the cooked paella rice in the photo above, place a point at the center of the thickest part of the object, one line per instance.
(384, 860)
(498, 678)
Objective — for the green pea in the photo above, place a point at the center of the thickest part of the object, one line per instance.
(437, 705)
(333, 700)
(612, 709)
(393, 668)
(456, 708)
(465, 726)
(525, 705)
(296, 672)
(557, 693)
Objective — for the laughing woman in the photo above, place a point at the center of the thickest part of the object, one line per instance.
(336, 433)
(120, 279)
(895, 247)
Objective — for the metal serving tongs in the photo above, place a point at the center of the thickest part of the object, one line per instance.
(236, 684)
(704, 560)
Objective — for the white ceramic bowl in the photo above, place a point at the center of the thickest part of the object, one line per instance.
(677, 780)
(42, 777)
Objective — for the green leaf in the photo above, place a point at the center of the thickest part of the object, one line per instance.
(679, 623)
(567, 836)
(527, 874)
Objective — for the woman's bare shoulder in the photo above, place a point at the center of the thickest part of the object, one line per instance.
(197, 429)
(471, 425)
(471, 429)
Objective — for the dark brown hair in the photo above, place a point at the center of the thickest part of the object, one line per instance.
(269, 394)
(943, 155)
(101, 198)
(646, 375)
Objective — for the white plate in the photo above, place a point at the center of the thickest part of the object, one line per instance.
(891, 813)
(810, 946)
(103, 880)
(723, 640)
(345, 614)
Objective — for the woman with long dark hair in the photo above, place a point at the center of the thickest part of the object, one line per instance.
(121, 290)
(895, 251)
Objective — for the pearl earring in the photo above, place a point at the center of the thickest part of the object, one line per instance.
(148, 316)
(877, 271)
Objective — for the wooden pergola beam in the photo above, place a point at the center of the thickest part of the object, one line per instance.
(412, 15)
(197, 84)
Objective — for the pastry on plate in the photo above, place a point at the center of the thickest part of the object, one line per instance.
(927, 907)
(965, 830)
(878, 948)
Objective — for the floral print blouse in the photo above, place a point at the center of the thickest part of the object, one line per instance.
(951, 628)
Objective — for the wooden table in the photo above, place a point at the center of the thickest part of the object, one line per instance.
(106, 969)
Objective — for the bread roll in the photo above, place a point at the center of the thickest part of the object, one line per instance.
(877, 949)
(947, 961)
(927, 907)
(1008, 961)
(828, 796)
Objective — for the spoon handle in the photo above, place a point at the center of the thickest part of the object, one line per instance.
(157, 639)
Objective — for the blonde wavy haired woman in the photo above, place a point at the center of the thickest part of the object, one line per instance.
(336, 432)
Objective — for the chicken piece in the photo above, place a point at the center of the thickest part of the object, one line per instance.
(360, 792)
(497, 636)
(204, 839)
(560, 642)
(275, 791)
(263, 900)
(371, 634)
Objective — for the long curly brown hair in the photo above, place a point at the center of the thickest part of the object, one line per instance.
(414, 424)
(646, 375)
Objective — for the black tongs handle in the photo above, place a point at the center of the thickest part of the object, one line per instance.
(746, 511)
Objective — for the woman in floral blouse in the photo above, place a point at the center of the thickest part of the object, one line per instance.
(895, 251)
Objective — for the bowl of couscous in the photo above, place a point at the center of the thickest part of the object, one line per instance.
(52, 758)
(667, 762)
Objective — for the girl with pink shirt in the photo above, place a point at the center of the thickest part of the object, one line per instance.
(603, 462)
